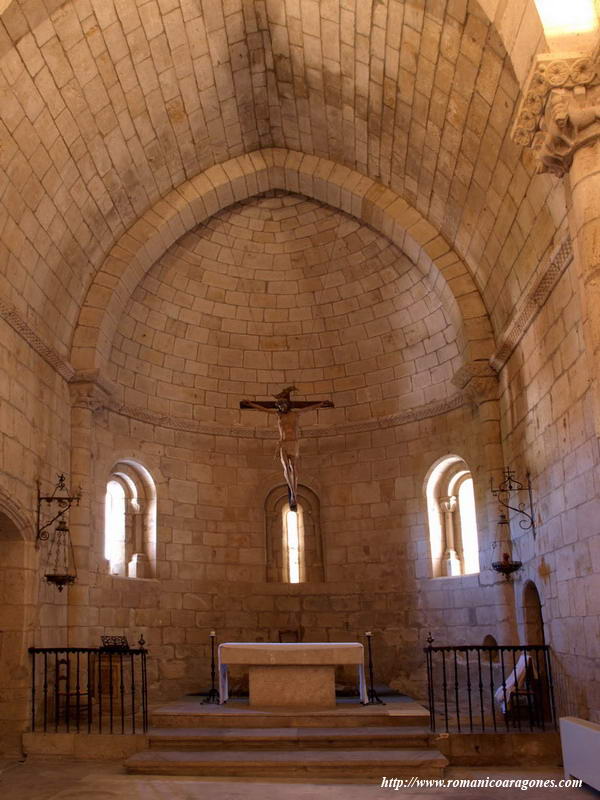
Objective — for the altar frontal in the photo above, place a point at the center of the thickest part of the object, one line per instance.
(291, 674)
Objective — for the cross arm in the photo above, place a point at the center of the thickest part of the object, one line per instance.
(260, 405)
(307, 405)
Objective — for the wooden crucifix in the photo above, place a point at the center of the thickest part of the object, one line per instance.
(288, 412)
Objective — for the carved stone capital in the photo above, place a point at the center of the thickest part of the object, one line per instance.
(89, 390)
(448, 504)
(560, 110)
(477, 380)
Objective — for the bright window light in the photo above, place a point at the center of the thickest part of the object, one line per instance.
(293, 546)
(114, 524)
(468, 524)
(561, 18)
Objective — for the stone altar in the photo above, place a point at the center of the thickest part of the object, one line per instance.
(291, 674)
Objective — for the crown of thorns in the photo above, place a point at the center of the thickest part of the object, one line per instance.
(284, 394)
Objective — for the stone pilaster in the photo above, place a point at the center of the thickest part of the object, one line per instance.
(89, 396)
(478, 381)
(559, 118)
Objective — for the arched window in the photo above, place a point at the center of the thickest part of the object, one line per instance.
(114, 527)
(293, 524)
(294, 548)
(452, 518)
(130, 521)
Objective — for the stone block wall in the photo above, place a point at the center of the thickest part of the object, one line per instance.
(548, 428)
(34, 444)
(211, 554)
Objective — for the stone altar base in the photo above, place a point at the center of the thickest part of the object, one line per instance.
(292, 687)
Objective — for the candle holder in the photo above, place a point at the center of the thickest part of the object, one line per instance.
(507, 565)
(60, 569)
(213, 695)
(373, 697)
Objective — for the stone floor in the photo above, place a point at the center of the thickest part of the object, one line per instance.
(67, 780)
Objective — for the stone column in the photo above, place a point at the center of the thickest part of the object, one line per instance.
(88, 397)
(448, 506)
(559, 119)
(137, 564)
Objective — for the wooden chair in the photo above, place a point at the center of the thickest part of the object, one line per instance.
(69, 700)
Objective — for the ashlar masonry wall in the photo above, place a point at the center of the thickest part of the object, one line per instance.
(211, 554)
(547, 427)
(34, 444)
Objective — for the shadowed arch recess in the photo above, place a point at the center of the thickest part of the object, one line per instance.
(241, 178)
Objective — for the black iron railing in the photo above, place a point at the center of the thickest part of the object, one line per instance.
(477, 688)
(88, 690)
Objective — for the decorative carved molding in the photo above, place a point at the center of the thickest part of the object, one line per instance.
(12, 317)
(527, 310)
(214, 429)
(557, 116)
(477, 380)
(90, 390)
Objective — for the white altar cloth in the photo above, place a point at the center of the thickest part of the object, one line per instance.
(291, 653)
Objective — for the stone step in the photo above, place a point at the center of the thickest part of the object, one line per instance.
(287, 738)
(362, 717)
(284, 764)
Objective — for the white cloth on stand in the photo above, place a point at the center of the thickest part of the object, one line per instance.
(515, 681)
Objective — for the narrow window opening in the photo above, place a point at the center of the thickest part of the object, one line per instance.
(294, 549)
(293, 546)
(468, 525)
(130, 521)
(452, 518)
(114, 539)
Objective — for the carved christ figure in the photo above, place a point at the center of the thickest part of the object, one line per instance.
(288, 421)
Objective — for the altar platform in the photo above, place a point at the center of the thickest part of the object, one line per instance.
(348, 741)
(398, 709)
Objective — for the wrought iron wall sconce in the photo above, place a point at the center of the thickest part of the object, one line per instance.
(507, 565)
(60, 569)
(509, 486)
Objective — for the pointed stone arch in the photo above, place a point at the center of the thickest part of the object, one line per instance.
(246, 176)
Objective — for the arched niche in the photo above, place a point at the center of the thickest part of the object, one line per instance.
(533, 619)
(138, 556)
(453, 535)
(490, 641)
(246, 176)
(311, 567)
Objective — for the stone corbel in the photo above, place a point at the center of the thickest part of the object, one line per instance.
(560, 110)
(477, 380)
(89, 390)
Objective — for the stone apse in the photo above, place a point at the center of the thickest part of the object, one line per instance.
(394, 248)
